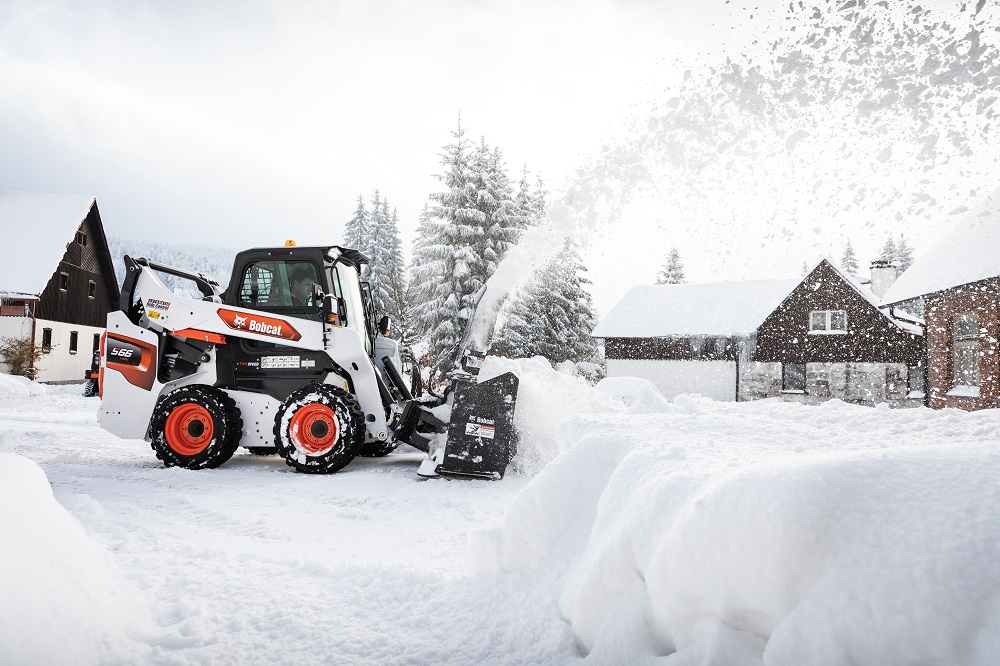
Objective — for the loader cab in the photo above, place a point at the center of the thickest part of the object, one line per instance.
(281, 280)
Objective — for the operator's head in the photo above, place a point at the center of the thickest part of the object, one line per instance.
(301, 280)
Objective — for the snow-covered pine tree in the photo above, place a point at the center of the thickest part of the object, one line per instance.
(502, 219)
(446, 264)
(889, 250)
(375, 250)
(421, 277)
(461, 242)
(849, 262)
(532, 202)
(904, 254)
(356, 229)
(393, 273)
(672, 271)
(554, 315)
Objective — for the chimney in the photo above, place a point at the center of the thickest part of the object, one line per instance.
(883, 275)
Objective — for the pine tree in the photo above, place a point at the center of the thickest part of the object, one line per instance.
(461, 243)
(904, 254)
(356, 229)
(531, 202)
(673, 271)
(394, 275)
(554, 315)
(849, 262)
(445, 262)
(889, 250)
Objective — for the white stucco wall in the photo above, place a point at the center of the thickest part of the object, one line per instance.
(13, 327)
(712, 379)
(60, 365)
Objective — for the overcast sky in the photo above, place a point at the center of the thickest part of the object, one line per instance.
(246, 123)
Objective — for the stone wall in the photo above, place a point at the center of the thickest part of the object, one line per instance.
(858, 383)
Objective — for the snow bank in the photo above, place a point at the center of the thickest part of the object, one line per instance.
(60, 601)
(12, 386)
(545, 398)
(744, 533)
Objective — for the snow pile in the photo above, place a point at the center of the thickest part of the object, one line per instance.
(60, 599)
(744, 532)
(545, 399)
(12, 386)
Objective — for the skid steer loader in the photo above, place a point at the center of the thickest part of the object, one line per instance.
(286, 360)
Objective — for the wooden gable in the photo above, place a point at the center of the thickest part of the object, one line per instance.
(871, 337)
(83, 287)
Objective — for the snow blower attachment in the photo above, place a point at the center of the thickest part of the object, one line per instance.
(287, 360)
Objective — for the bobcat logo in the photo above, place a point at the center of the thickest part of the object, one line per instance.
(240, 322)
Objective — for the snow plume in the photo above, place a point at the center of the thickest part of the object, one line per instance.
(845, 119)
(578, 215)
(742, 533)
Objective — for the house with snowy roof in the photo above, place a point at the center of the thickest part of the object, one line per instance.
(804, 340)
(830, 338)
(57, 279)
(689, 338)
(958, 279)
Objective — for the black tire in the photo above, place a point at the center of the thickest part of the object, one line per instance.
(90, 388)
(377, 449)
(195, 427)
(262, 450)
(319, 429)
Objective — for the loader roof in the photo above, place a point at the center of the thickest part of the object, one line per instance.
(345, 254)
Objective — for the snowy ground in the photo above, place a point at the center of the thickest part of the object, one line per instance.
(635, 531)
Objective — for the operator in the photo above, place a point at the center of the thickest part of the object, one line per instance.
(301, 286)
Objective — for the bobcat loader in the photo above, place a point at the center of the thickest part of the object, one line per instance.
(286, 360)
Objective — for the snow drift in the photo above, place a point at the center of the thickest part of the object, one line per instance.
(60, 598)
(750, 533)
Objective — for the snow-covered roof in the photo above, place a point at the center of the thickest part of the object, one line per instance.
(967, 253)
(864, 289)
(718, 308)
(38, 226)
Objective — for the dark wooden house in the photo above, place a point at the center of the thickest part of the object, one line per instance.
(958, 279)
(57, 279)
(830, 339)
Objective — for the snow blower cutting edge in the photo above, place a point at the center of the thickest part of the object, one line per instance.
(290, 359)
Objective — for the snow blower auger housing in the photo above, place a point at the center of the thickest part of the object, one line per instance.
(286, 360)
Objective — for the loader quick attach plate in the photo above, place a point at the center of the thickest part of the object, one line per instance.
(481, 437)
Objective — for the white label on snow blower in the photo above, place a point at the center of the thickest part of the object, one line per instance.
(480, 430)
(279, 362)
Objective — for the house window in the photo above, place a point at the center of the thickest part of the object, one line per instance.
(74, 337)
(793, 377)
(64, 281)
(81, 238)
(917, 377)
(47, 338)
(97, 341)
(966, 349)
(92, 289)
(828, 321)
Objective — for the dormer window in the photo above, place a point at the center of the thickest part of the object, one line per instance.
(828, 321)
(81, 238)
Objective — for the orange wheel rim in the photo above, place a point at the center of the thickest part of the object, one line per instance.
(189, 429)
(313, 429)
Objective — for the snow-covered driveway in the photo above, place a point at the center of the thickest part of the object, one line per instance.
(253, 563)
(633, 531)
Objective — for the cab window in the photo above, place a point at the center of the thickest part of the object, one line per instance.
(278, 284)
